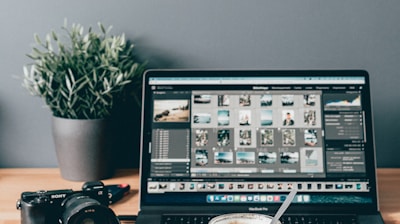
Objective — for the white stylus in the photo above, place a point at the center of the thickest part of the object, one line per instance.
(284, 206)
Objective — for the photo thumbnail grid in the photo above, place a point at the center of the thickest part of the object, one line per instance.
(257, 129)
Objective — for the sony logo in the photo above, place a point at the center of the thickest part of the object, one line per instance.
(254, 209)
(55, 196)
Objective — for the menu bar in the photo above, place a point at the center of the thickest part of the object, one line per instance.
(255, 80)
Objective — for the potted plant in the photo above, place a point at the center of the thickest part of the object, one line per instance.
(80, 75)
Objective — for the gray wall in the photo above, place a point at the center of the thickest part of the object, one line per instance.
(260, 34)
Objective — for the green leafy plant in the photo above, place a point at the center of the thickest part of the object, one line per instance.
(79, 75)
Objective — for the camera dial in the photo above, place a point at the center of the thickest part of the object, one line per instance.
(41, 197)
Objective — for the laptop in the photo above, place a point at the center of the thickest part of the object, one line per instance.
(238, 141)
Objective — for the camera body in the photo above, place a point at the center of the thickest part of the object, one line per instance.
(67, 206)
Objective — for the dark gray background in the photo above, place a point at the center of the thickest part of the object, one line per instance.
(262, 34)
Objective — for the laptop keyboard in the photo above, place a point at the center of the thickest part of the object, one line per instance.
(296, 219)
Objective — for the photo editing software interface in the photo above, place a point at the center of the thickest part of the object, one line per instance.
(254, 135)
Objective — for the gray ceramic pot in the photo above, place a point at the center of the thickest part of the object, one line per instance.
(82, 149)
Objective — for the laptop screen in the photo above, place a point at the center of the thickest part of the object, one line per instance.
(249, 137)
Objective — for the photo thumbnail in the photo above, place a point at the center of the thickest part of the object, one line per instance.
(288, 117)
(202, 118)
(223, 137)
(310, 117)
(266, 100)
(171, 110)
(266, 117)
(245, 137)
(244, 100)
(267, 157)
(288, 137)
(267, 137)
(309, 99)
(201, 137)
(223, 117)
(201, 157)
(223, 100)
(289, 157)
(245, 158)
(223, 157)
(310, 137)
(244, 117)
(202, 99)
(311, 160)
(287, 100)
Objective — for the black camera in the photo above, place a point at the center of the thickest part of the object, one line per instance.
(89, 206)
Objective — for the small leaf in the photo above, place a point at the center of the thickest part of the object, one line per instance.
(37, 52)
(113, 69)
(69, 87)
(54, 36)
(65, 22)
(119, 78)
(95, 76)
(26, 72)
(71, 75)
(63, 94)
(124, 83)
(37, 39)
(101, 27)
(109, 29)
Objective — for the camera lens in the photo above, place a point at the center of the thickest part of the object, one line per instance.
(87, 221)
(81, 209)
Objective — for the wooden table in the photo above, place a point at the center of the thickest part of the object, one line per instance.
(15, 181)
